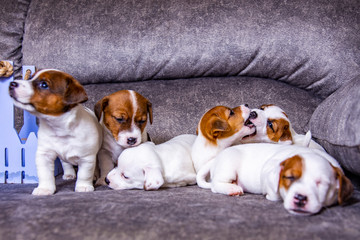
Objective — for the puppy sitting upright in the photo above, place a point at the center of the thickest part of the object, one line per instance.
(124, 116)
(218, 129)
(67, 130)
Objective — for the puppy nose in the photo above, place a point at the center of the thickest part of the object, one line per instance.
(13, 85)
(131, 141)
(246, 105)
(107, 181)
(300, 200)
(253, 115)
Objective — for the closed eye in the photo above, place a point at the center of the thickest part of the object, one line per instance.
(123, 176)
(120, 119)
(290, 178)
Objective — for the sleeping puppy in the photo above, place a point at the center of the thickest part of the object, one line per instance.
(305, 179)
(219, 128)
(149, 166)
(123, 116)
(66, 129)
(273, 126)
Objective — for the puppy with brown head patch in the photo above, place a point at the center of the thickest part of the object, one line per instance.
(306, 179)
(219, 128)
(67, 130)
(273, 126)
(124, 116)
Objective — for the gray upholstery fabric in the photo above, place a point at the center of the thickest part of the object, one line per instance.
(311, 44)
(336, 123)
(12, 21)
(177, 213)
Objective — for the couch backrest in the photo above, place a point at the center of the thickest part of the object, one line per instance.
(310, 44)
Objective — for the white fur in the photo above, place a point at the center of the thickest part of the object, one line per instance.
(149, 166)
(255, 168)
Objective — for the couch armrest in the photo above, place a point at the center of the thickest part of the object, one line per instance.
(336, 124)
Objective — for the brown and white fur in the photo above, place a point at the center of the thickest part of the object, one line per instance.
(123, 116)
(219, 128)
(305, 179)
(273, 126)
(66, 129)
(149, 166)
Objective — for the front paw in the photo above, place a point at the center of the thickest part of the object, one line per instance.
(235, 190)
(43, 191)
(84, 188)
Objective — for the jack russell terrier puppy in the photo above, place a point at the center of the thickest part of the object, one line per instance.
(123, 115)
(305, 179)
(66, 129)
(219, 128)
(273, 126)
(149, 166)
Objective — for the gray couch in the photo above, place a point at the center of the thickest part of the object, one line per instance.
(186, 57)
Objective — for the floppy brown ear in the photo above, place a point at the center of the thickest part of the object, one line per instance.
(345, 186)
(75, 92)
(217, 126)
(149, 109)
(100, 106)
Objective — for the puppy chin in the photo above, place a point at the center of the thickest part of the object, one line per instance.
(26, 106)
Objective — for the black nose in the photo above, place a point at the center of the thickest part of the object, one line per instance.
(13, 85)
(107, 181)
(253, 115)
(131, 141)
(246, 105)
(300, 200)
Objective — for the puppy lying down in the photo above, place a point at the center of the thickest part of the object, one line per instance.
(149, 166)
(305, 179)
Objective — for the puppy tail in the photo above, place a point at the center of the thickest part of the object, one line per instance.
(202, 175)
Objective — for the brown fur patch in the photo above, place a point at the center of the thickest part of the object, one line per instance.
(291, 170)
(262, 107)
(62, 93)
(221, 122)
(345, 186)
(280, 130)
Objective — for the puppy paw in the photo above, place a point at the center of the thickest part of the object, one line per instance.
(69, 176)
(236, 191)
(43, 191)
(84, 188)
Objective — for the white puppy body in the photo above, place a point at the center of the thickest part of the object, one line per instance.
(66, 129)
(257, 168)
(149, 166)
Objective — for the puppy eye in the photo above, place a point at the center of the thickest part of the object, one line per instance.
(231, 112)
(123, 176)
(141, 122)
(290, 178)
(43, 85)
(120, 120)
(269, 123)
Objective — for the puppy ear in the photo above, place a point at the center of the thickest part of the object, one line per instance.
(75, 92)
(216, 126)
(270, 179)
(149, 109)
(100, 106)
(153, 178)
(345, 186)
